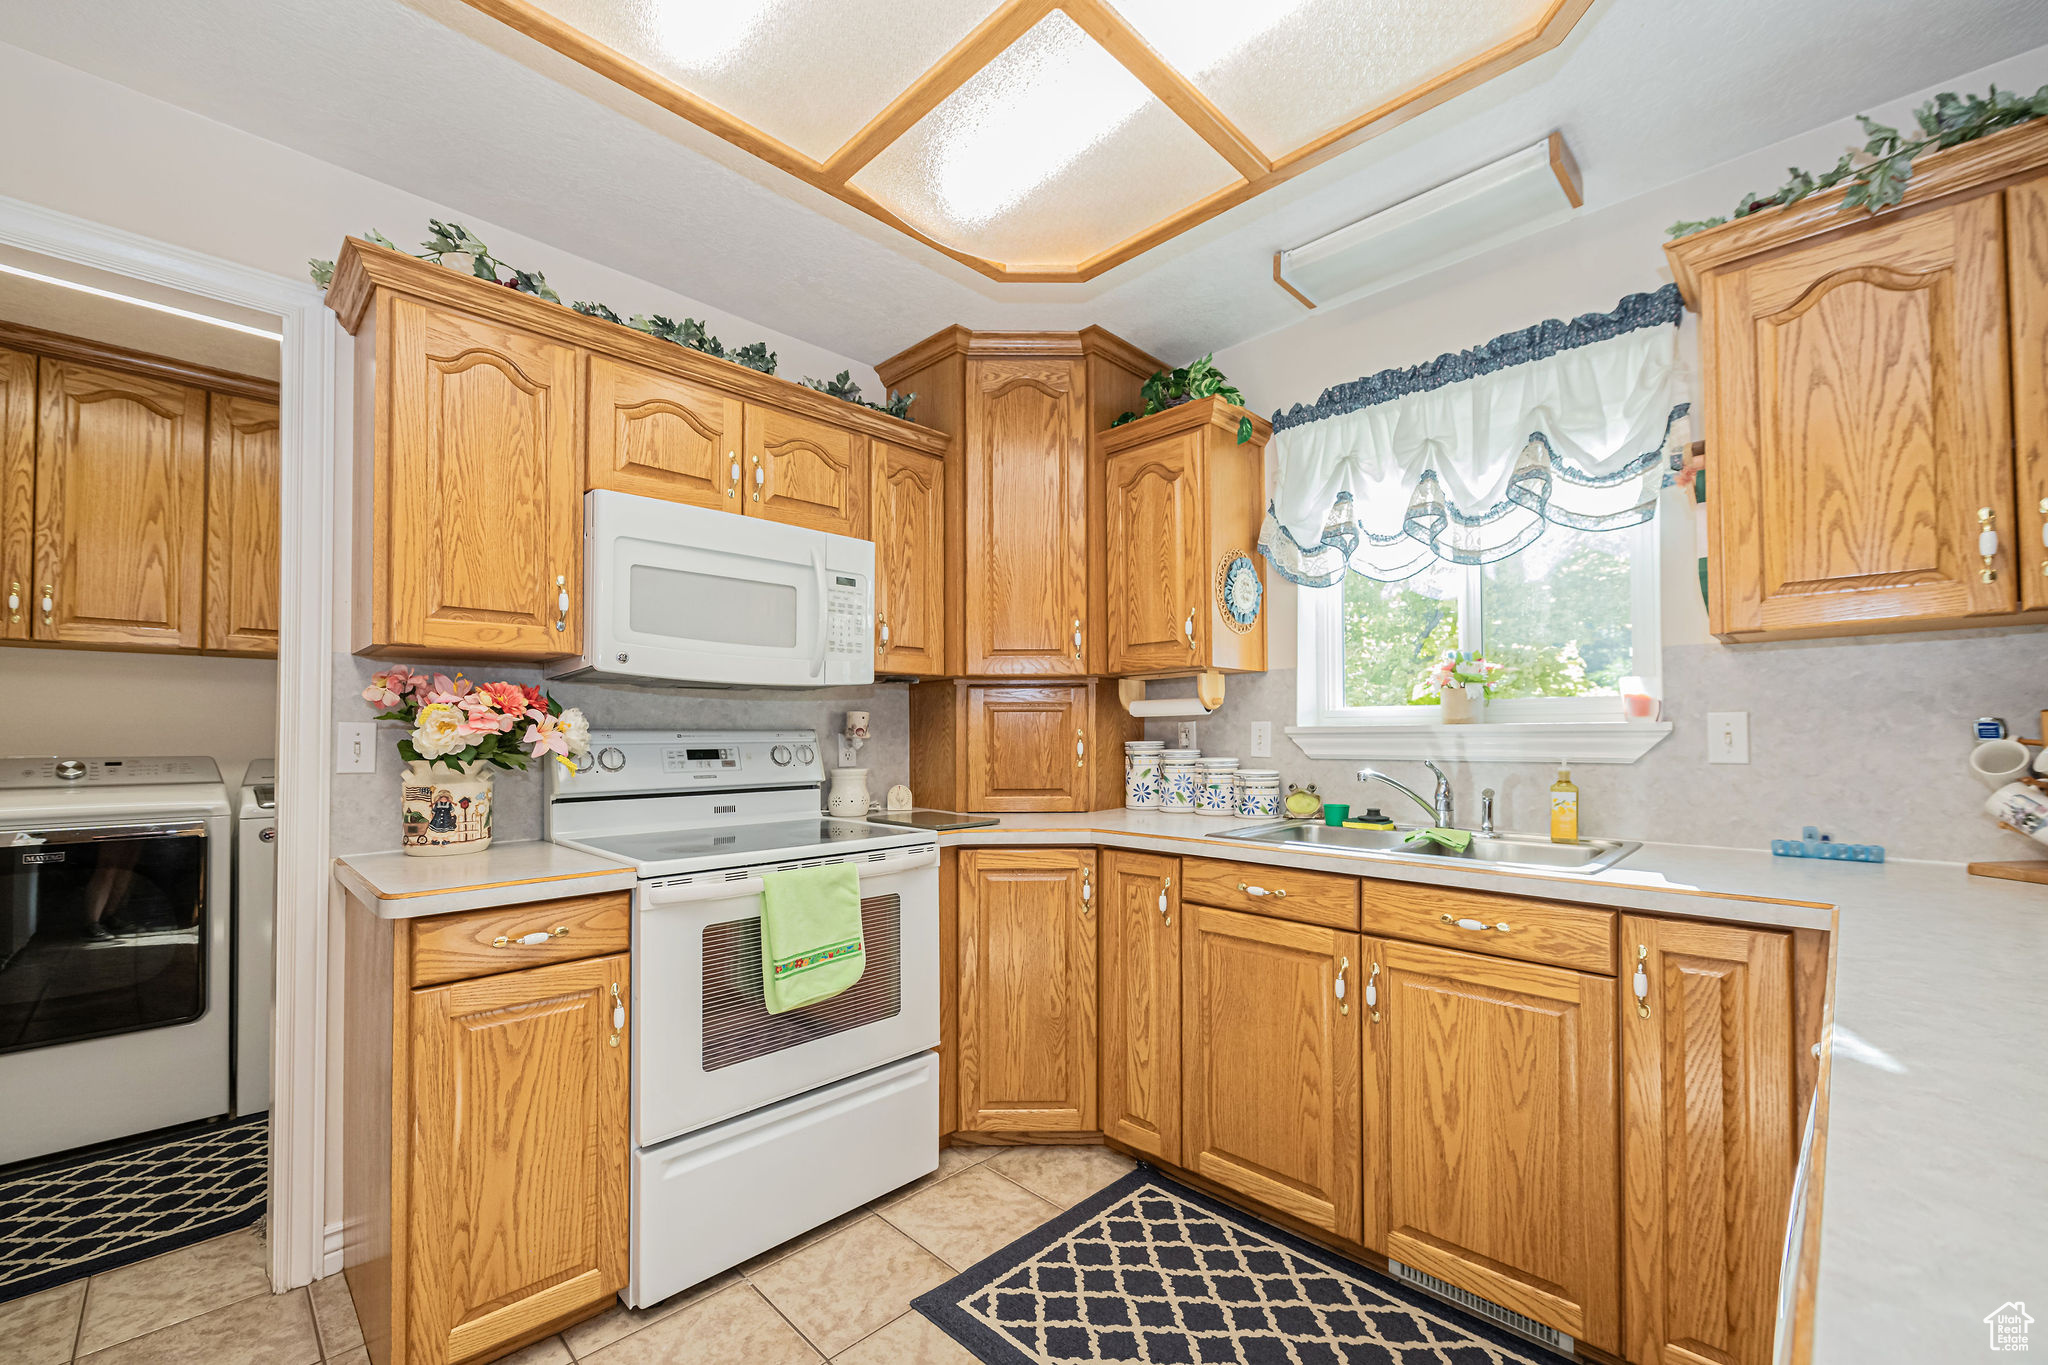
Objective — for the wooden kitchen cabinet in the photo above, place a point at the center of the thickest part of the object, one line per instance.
(1270, 1063)
(120, 521)
(1866, 380)
(17, 494)
(1184, 499)
(487, 1150)
(805, 472)
(1140, 999)
(1709, 1138)
(907, 502)
(660, 435)
(1023, 747)
(1490, 1116)
(1026, 941)
(243, 454)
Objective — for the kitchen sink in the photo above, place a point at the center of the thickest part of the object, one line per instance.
(1500, 850)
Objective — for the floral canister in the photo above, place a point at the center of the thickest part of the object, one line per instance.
(1177, 779)
(447, 807)
(1216, 786)
(1141, 774)
(1258, 793)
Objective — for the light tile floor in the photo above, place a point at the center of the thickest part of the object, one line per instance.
(841, 1292)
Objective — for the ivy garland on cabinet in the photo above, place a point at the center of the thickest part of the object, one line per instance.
(1170, 388)
(1947, 120)
(453, 239)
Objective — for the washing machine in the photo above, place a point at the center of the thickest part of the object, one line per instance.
(116, 963)
(255, 934)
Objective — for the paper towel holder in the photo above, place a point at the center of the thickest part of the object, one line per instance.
(1208, 695)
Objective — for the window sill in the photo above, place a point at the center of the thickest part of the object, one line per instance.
(1578, 741)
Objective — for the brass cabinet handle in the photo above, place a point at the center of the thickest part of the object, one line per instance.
(732, 487)
(883, 621)
(1165, 887)
(1372, 992)
(1279, 892)
(1077, 637)
(14, 602)
(49, 602)
(760, 477)
(1987, 544)
(1087, 892)
(532, 940)
(561, 601)
(1189, 626)
(1479, 925)
(618, 1015)
(1642, 981)
(1343, 966)
(1080, 748)
(2044, 536)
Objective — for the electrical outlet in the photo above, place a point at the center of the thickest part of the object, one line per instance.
(848, 755)
(1728, 737)
(1187, 736)
(1262, 739)
(355, 747)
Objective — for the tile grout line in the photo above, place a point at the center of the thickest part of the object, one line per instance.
(78, 1332)
(776, 1309)
(853, 1345)
(319, 1337)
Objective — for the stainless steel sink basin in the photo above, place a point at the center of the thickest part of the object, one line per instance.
(1500, 850)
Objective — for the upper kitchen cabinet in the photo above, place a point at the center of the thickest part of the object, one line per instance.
(242, 455)
(1864, 380)
(806, 472)
(120, 520)
(907, 504)
(17, 493)
(662, 436)
(1185, 590)
(1019, 747)
(1025, 552)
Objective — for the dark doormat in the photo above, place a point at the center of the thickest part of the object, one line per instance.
(1150, 1270)
(62, 1222)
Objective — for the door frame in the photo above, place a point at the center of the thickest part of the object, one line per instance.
(315, 371)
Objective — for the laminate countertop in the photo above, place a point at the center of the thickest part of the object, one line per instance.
(1934, 1204)
(400, 886)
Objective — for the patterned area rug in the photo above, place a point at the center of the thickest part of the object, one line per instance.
(1149, 1270)
(61, 1223)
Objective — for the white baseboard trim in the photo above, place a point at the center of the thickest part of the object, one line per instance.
(330, 1251)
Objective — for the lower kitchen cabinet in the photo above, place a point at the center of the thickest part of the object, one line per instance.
(1709, 1138)
(1026, 942)
(1270, 1064)
(1490, 1115)
(1140, 1062)
(487, 1148)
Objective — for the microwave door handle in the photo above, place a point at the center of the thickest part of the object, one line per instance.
(824, 616)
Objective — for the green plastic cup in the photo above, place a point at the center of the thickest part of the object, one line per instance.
(1335, 812)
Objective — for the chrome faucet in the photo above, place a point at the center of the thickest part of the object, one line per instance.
(1439, 807)
(1486, 811)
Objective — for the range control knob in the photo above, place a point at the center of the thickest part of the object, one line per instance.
(780, 753)
(805, 754)
(70, 769)
(611, 759)
(585, 761)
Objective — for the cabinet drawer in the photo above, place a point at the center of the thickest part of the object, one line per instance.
(1285, 892)
(452, 947)
(1557, 935)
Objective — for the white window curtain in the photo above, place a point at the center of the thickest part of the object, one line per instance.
(1469, 458)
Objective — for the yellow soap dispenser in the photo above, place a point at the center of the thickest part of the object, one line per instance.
(1564, 807)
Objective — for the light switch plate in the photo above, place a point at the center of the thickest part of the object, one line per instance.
(355, 747)
(1262, 739)
(1728, 737)
(1187, 735)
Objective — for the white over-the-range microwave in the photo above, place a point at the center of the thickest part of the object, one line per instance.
(683, 594)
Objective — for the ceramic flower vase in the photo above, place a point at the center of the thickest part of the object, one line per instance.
(446, 807)
(1463, 705)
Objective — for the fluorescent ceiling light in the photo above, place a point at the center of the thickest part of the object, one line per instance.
(151, 304)
(1197, 36)
(703, 35)
(1514, 196)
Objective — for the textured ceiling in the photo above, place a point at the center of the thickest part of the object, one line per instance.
(436, 99)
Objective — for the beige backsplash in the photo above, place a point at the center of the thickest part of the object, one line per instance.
(1868, 739)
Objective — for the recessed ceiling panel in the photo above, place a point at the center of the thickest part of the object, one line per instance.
(1047, 156)
(809, 73)
(1286, 72)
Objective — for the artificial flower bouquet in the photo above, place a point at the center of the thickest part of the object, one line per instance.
(1457, 669)
(460, 723)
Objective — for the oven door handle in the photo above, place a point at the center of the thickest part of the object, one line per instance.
(744, 887)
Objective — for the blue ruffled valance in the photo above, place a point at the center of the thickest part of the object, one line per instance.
(1468, 458)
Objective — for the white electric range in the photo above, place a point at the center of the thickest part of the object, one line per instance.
(750, 1128)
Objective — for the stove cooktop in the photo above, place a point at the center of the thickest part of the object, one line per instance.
(660, 853)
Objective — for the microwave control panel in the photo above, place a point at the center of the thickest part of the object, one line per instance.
(847, 627)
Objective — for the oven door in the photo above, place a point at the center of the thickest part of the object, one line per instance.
(706, 1047)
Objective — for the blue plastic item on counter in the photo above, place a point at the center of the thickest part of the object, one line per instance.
(1814, 844)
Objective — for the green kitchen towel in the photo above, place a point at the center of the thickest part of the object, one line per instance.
(811, 946)
(1456, 840)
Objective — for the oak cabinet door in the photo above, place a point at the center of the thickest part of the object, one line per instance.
(1861, 420)
(1157, 601)
(120, 508)
(908, 517)
(1490, 1119)
(242, 462)
(483, 484)
(1270, 1063)
(659, 436)
(1027, 518)
(1027, 748)
(2026, 225)
(519, 1170)
(19, 589)
(1709, 1139)
(1140, 1066)
(1027, 990)
(805, 472)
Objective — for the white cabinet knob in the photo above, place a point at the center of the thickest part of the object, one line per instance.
(1189, 627)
